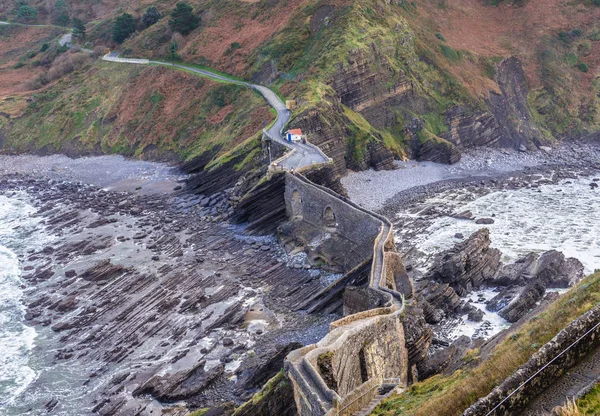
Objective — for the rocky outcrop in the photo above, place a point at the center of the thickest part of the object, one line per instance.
(425, 146)
(468, 128)
(325, 175)
(468, 265)
(327, 127)
(418, 339)
(275, 398)
(548, 270)
(263, 207)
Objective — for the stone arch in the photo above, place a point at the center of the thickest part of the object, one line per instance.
(329, 219)
(362, 363)
(296, 204)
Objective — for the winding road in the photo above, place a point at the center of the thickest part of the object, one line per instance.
(303, 154)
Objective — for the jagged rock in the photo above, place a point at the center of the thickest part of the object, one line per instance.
(181, 385)
(267, 365)
(103, 270)
(418, 337)
(517, 273)
(437, 300)
(475, 315)
(468, 265)
(552, 269)
(444, 358)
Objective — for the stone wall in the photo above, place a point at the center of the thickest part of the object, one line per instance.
(366, 349)
(546, 366)
(330, 230)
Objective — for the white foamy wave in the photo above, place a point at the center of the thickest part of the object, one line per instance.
(560, 217)
(18, 233)
(16, 339)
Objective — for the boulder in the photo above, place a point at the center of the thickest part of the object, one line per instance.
(475, 315)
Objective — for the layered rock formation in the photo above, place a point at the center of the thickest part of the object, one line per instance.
(472, 264)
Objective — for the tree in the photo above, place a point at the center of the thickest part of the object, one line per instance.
(183, 20)
(78, 29)
(60, 13)
(26, 12)
(150, 16)
(123, 27)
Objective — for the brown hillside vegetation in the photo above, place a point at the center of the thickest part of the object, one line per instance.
(511, 29)
(15, 42)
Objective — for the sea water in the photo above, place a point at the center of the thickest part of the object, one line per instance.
(563, 217)
(19, 232)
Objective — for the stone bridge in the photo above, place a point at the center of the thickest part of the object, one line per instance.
(364, 351)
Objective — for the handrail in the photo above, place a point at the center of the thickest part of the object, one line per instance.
(542, 369)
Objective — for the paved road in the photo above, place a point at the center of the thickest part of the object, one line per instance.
(304, 154)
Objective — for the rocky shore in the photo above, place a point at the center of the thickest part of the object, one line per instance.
(144, 301)
(385, 191)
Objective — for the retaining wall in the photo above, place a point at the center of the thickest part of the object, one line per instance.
(568, 347)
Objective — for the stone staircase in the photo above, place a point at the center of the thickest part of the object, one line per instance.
(385, 391)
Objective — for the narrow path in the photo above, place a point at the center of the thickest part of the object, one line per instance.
(303, 155)
(584, 374)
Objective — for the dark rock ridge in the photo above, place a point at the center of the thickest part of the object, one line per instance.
(548, 270)
(508, 123)
(472, 264)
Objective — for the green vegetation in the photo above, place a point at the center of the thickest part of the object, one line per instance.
(150, 16)
(590, 403)
(583, 67)
(451, 53)
(78, 29)
(451, 395)
(217, 117)
(60, 13)
(123, 26)
(277, 382)
(26, 13)
(183, 19)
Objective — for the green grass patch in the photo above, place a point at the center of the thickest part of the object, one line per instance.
(590, 403)
(451, 395)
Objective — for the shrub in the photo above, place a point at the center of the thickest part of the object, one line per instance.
(440, 37)
(26, 12)
(183, 20)
(62, 65)
(451, 53)
(60, 13)
(150, 16)
(44, 47)
(232, 48)
(78, 29)
(123, 26)
(583, 67)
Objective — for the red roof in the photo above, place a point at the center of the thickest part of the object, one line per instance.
(296, 132)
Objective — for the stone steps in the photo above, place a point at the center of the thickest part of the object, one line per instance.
(366, 411)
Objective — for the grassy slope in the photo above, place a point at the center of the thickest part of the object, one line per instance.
(452, 394)
(117, 108)
(590, 403)
(446, 50)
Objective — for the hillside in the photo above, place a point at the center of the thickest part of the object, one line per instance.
(374, 80)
